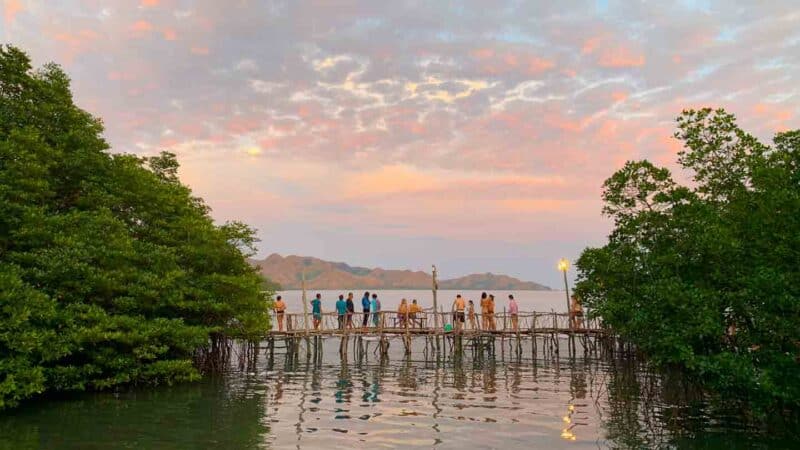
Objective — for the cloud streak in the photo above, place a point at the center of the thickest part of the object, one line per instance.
(446, 122)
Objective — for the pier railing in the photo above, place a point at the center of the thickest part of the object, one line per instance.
(423, 323)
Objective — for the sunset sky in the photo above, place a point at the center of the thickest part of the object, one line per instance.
(473, 135)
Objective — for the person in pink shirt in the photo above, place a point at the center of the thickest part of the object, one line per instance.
(513, 309)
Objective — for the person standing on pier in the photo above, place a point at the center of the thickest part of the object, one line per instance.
(365, 304)
(341, 311)
(351, 310)
(485, 311)
(375, 306)
(458, 317)
(280, 310)
(490, 313)
(513, 310)
(316, 310)
(471, 314)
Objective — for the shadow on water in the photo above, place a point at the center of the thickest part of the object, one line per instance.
(320, 397)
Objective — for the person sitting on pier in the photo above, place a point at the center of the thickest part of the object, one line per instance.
(413, 309)
(458, 316)
(402, 313)
(490, 313)
(575, 313)
(484, 311)
(471, 314)
(316, 310)
(375, 306)
(513, 310)
(280, 310)
(351, 310)
(341, 311)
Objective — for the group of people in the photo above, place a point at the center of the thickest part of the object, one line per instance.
(408, 313)
(463, 311)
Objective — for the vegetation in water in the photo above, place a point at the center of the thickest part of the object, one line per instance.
(111, 272)
(704, 276)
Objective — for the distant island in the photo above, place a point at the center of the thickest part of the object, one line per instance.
(320, 274)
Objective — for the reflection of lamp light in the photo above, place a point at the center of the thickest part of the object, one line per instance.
(567, 433)
(563, 266)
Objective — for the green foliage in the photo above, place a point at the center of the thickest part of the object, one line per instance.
(111, 272)
(705, 277)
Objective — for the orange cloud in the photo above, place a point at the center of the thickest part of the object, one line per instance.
(149, 3)
(12, 7)
(199, 50)
(169, 34)
(140, 27)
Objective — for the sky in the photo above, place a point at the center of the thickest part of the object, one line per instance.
(474, 135)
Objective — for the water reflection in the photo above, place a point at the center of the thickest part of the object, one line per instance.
(327, 400)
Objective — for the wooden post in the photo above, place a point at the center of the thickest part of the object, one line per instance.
(435, 307)
(305, 302)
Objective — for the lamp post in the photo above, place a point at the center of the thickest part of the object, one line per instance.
(563, 266)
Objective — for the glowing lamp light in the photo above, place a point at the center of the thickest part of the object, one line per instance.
(563, 265)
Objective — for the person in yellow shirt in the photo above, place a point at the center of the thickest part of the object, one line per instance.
(402, 313)
(458, 316)
(413, 309)
(280, 309)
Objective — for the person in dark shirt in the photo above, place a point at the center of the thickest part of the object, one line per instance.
(351, 309)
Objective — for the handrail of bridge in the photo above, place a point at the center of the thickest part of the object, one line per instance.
(422, 322)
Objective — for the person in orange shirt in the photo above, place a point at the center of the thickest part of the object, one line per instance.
(490, 312)
(484, 311)
(458, 317)
(402, 313)
(280, 309)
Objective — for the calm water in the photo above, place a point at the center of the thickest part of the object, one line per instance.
(540, 301)
(453, 402)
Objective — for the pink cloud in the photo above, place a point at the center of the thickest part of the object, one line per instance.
(611, 53)
(150, 3)
(199, 50)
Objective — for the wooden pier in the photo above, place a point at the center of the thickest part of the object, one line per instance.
(543, 332)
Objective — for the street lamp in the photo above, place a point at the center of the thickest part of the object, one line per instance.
(563, 266)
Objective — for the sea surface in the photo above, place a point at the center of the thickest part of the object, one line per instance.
(463, 400)
(528, 301)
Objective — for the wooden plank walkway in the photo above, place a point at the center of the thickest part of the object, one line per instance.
(393, 324)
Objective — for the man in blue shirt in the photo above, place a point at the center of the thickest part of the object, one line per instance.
(316, 310)
(341, 310)
(365, 308)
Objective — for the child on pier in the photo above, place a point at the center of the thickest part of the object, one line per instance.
(471, 314)
(402, 313)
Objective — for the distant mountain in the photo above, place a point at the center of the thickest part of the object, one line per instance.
(287, 272)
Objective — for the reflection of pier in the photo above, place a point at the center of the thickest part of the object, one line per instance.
(479, 334)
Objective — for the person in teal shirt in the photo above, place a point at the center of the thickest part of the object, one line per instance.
(375, 307)
(341, 310)
(316, 310)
